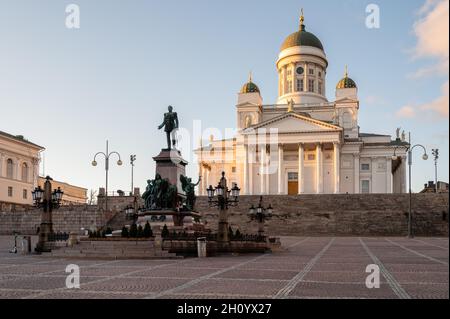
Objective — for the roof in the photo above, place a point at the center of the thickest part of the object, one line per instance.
(302, 38)
(371, 135)
(20, 138)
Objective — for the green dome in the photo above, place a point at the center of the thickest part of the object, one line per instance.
(346, 83)
(250, 87)
(302, 38)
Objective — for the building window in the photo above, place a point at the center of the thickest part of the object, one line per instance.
(311, 85)
(365, 167)
(25, 194)
(311, 71)
(233, 169)
(292, 177)
(9, 168)
(10, 191)
(24, 172)
(320, 88)
(320, 74)
(288, 86)
(365, 186)
(311, 157)
(300, 85)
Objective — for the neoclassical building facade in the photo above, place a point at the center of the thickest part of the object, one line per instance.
(19, 169)
(304, 143)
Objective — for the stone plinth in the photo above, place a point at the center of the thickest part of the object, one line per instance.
(170, 165)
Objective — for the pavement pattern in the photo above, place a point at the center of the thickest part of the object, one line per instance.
(310, 267)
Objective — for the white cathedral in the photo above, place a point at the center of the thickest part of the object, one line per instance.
(311, 145)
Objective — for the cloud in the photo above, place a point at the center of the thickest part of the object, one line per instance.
(441, 104)
(406, 112)
(432, 33)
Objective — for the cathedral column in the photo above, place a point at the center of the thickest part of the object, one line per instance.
(280, 169)
(389, 175)
(336, 167)
(301, 169)
(293, 77)
(251, 161)
(246, 173)
(356, 180)
(319, 169)
(202, 181)
(262, 169)
(267, 170)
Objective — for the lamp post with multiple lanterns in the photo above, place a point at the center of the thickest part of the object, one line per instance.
(222, 197)
(260, 214)
(47, 200)
(132, 160)
(107, 156)
(409, 150)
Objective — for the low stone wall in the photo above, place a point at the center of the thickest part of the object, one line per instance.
(65, 219)
(304, 215)
(340, 215)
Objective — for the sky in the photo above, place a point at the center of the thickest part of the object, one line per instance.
(70, 90)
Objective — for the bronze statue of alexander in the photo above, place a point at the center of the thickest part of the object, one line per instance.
(170, 125)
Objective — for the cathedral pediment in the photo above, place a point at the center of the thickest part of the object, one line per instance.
(293, 123)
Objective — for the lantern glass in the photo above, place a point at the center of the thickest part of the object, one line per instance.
(270, 210)
(259, 210)
(210, 191)
(235, 191)
(59, 194)
(251, 211)
(219, 190)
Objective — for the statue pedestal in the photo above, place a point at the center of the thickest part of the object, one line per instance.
(170, 165)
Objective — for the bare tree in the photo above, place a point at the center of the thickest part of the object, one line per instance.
(92, 197)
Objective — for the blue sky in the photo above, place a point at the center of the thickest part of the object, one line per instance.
(70, 90)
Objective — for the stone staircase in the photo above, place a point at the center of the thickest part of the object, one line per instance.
(118, 221)
(113, 250)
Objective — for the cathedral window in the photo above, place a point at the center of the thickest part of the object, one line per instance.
(288, 87)
(300, 85)
(319, 88)
(311, 85)
(365, 166)
(311, 71)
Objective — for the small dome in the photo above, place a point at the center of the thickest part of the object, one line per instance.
(250, 87)
(346, 82)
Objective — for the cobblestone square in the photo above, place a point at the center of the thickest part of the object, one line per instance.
(309, 267)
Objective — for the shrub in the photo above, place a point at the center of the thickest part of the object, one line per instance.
(147, 230)
(238, 234)
(108, 231)
(230, 232)
(133, 231)
(165, 232)
(125, 233)
(140, 232)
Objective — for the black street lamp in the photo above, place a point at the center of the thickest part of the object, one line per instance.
(222, 197)
(435, 153)
(260, 214)
(410, 149)
(107, 155)
(47, 200)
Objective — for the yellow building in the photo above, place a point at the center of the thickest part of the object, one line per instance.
(74, 195)
(19, 168)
